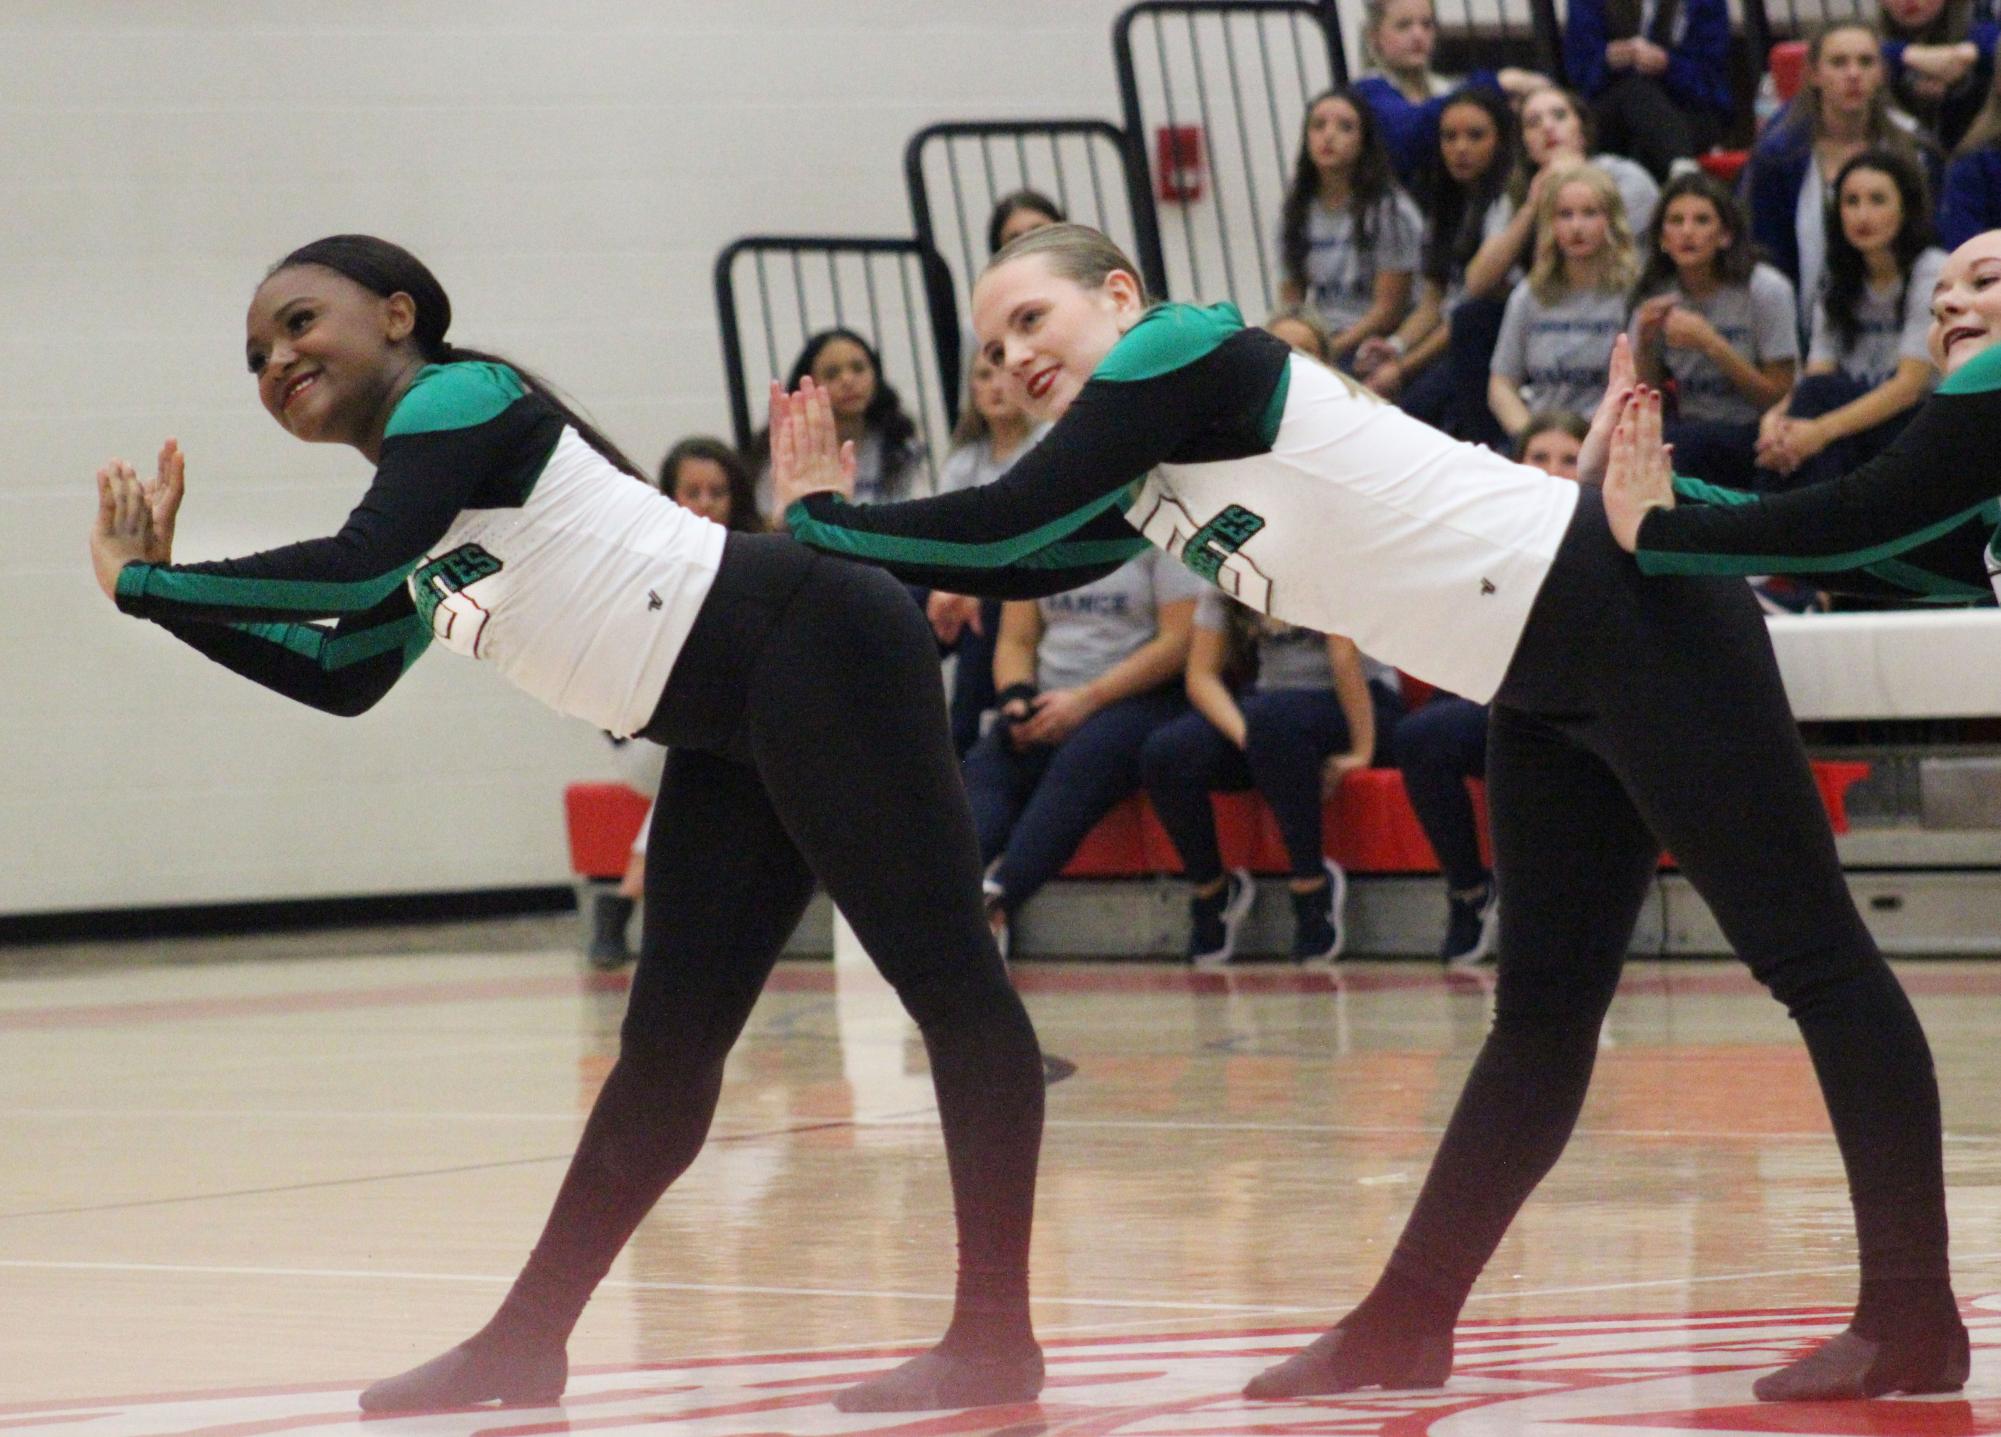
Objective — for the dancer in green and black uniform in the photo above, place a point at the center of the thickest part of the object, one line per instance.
(1627, 714)
(800, 699)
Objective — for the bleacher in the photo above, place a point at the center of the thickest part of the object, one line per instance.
(1892, 701)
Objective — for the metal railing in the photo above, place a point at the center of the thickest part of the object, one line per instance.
(1242, 71)
(957, 170)
(773, 292)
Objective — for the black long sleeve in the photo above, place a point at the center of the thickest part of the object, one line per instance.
(1934, 489)
(1183, 384)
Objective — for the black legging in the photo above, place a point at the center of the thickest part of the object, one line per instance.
(808, 736)
(1639, 713)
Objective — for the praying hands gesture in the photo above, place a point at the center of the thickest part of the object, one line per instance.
(135, 517)
(807, 456)
(1639, 474)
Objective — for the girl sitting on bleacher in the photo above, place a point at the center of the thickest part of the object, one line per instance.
(1398, 37)
(1656, 71)
(1940, 55)
(1868, 367)
(1842, 108)
(1316, 709)
(1465, 202)
(1557, 332)
(1348, 235)
(1720, 325)
(1082, 678)
(1970, 197)
(889, 455)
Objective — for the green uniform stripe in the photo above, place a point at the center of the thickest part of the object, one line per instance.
(1085, 552)
(305, 596)
(947, 553)
(331, 653)
(1704, 492)
(1977, 376)
(1668, 561)
(1923, 583)
(1269, 421)
(1168, 337)
(454, 396)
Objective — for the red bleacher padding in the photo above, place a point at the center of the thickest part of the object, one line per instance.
(603, 819)
(1368, 825)
(1369, 828)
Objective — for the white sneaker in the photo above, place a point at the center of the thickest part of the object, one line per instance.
(1213, 925)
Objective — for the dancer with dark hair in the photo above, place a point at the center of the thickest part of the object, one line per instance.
(501, 525)
(1627, 715)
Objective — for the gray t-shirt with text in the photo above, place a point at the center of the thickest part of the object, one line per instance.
(1086, 631)
(1558, 352)
(1340, 275)
(1886, 331)
(1760, 320)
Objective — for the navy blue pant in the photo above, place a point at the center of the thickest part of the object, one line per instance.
(973, 679)
(1476, 331)
(1439, 747)
(1720, 451)
(1288, 735)
(1035, 805)
(1819, 394)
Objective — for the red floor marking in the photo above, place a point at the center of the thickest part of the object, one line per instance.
(1882, 1418)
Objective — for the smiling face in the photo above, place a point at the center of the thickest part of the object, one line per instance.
(1578, 221)
(1871, 209)
(327, 353)
(1848, 71)
(1966, 306)
(1551, 126)
(842, 368)
(1467, 141)
(1046, 332)
(1406, 35)
(1333, 136)
(1693, 233)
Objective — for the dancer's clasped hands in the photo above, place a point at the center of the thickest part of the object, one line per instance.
(135, 517)
(807, 455)
(1639, 471)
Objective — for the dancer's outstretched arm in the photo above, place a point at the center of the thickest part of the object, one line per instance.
(1937, 475)
(1057, 518)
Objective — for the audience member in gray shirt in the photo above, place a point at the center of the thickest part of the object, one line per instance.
(1868, 367)
(1720, 327)
(1348, 237)
(1560, 323)
(1317, 710)
(1082, 678)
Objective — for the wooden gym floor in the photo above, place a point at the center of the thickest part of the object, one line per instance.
(232, 1192)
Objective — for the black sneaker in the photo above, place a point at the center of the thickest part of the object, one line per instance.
(610, 912)
(1213, 921)
(1472, 927)
(1318, 934)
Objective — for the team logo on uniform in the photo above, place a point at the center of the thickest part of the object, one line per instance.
(1553, 1377)
(441, 584)
(1210, 550)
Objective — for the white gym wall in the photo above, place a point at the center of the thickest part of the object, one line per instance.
(570, 168)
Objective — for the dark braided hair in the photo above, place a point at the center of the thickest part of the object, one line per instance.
(1368, 182)
(385, 269)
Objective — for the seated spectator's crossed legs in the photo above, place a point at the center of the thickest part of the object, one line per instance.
(1818, 394)
(1717, 451)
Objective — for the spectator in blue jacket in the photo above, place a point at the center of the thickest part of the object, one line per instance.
(1655, 72)
(1398, 37)
(1971, 200)
(1842, 108)
(1940, 55)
